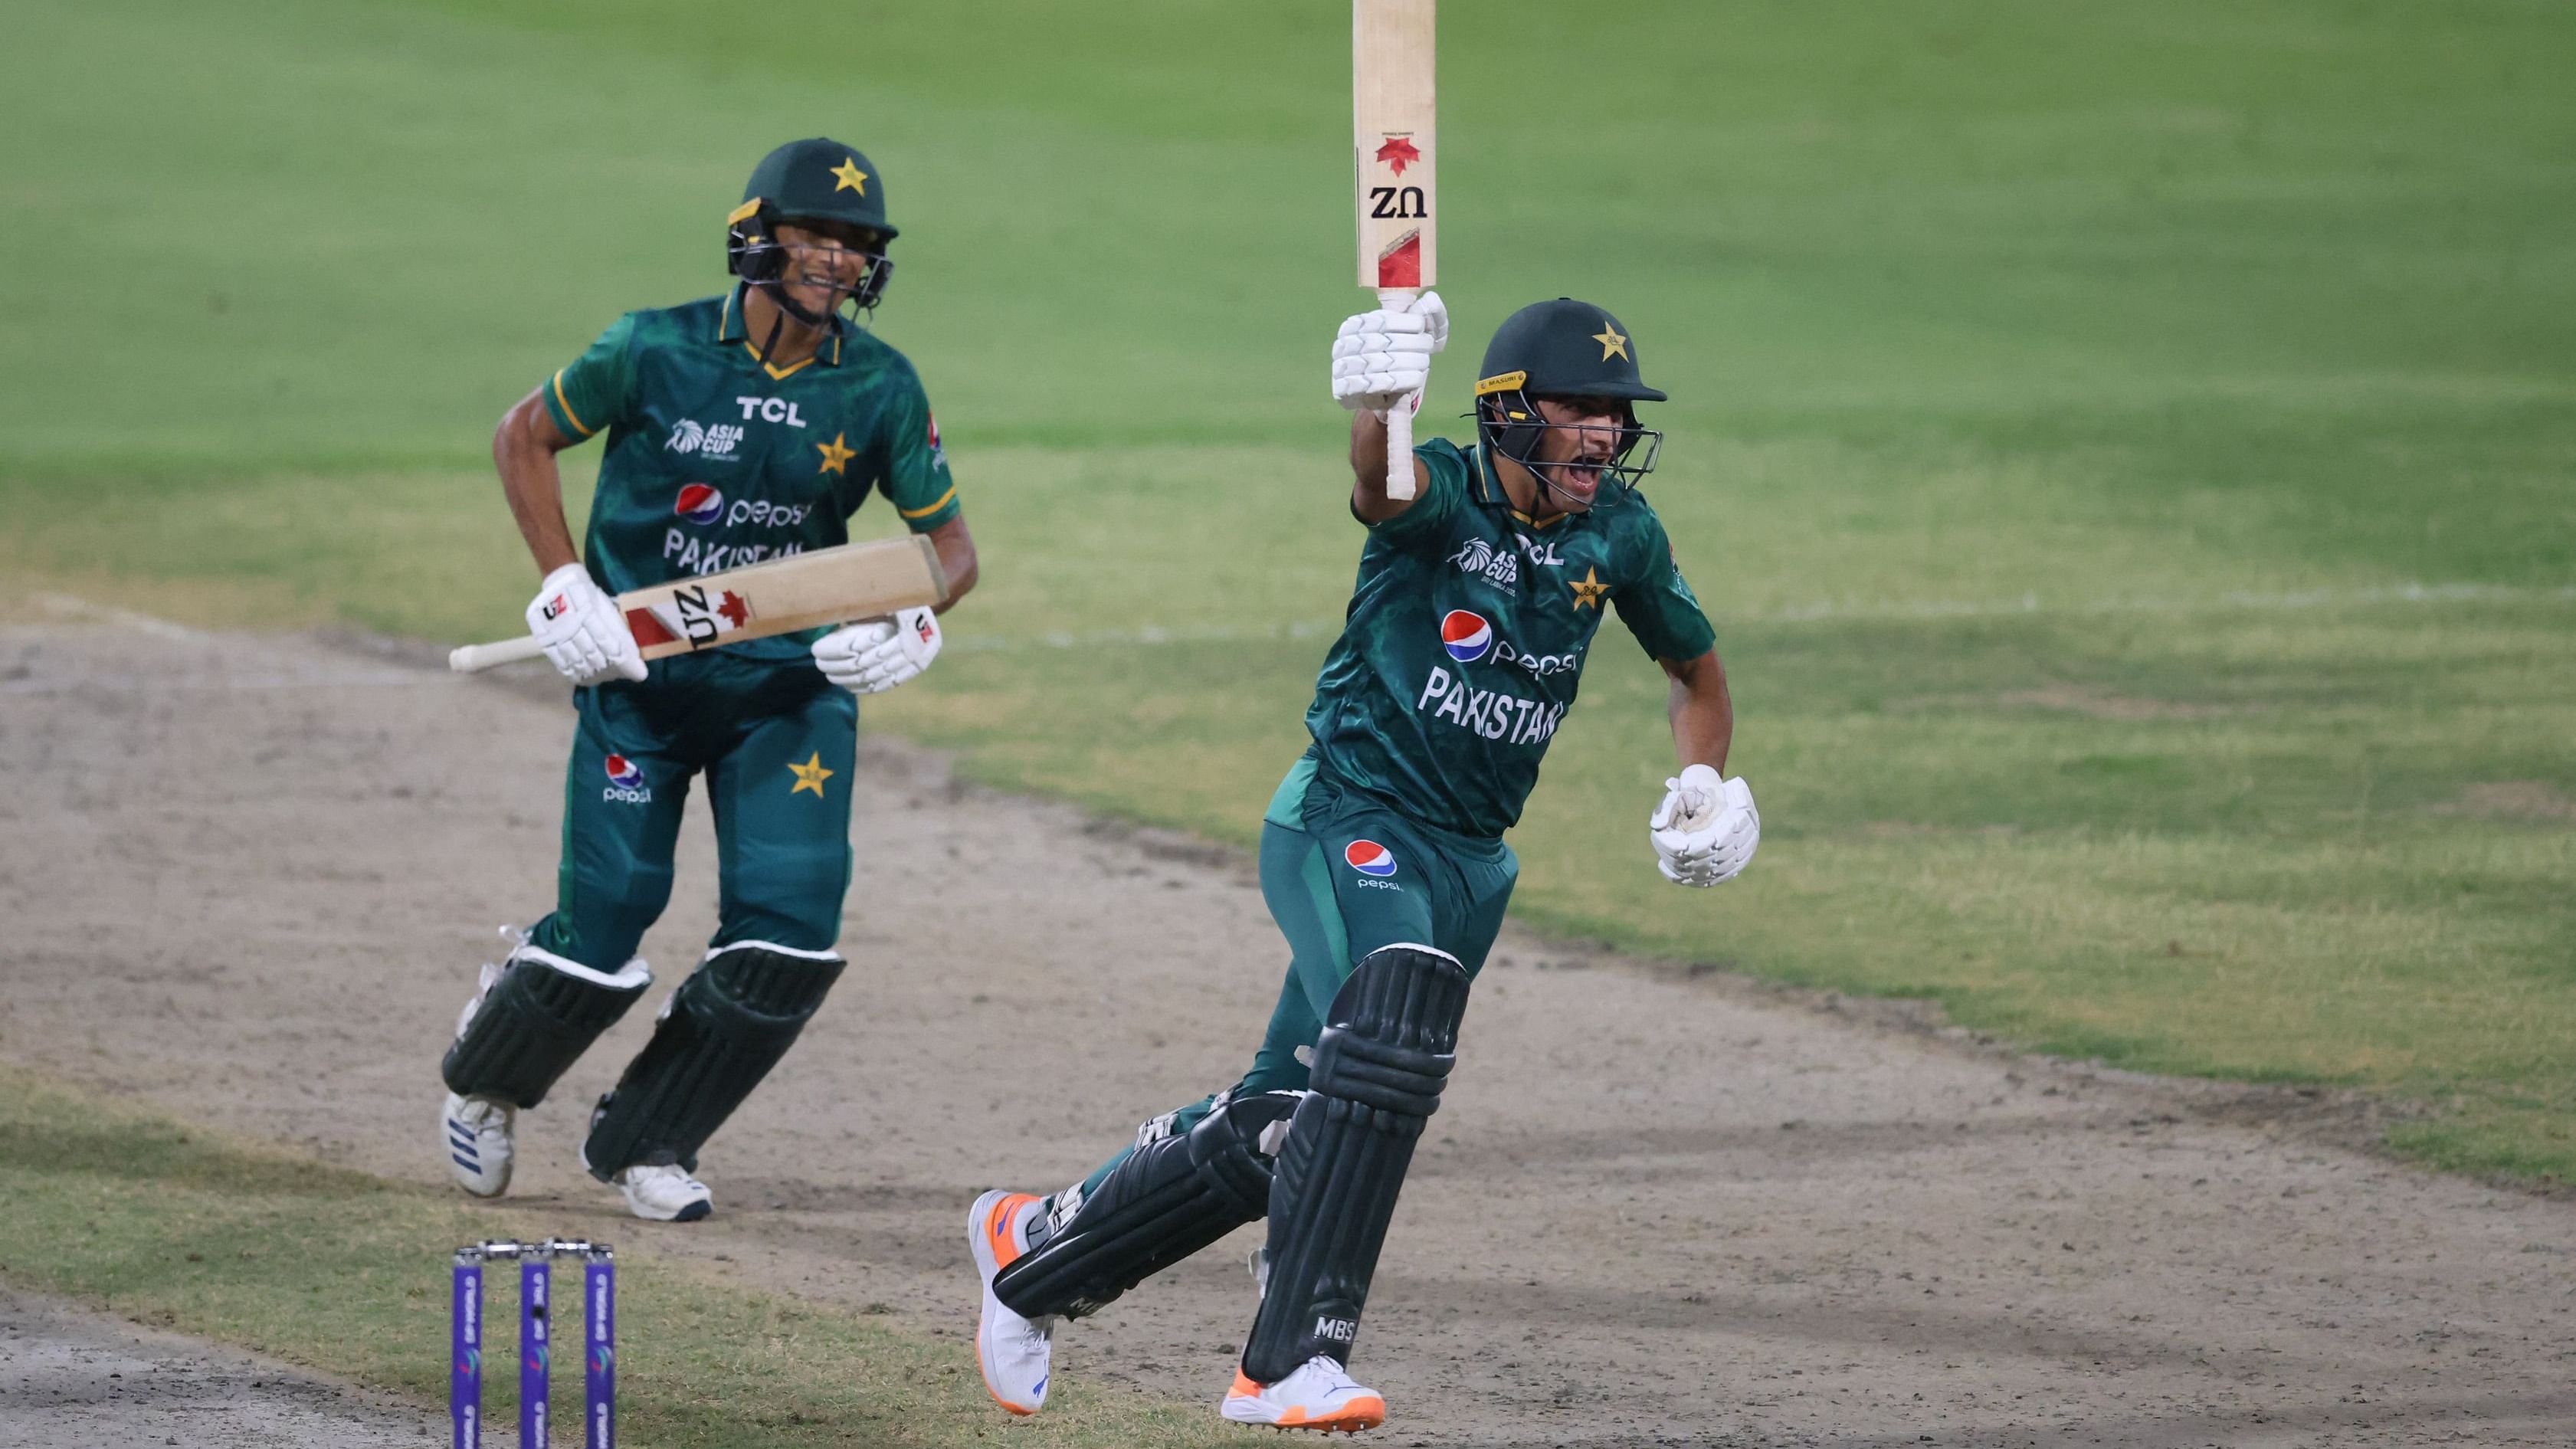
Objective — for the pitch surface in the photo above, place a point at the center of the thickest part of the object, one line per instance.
(250, 882)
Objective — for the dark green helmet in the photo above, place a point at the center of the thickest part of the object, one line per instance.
(814, 180)
(1563, 349)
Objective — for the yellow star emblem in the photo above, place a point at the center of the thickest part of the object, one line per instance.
(1613, 343)
(1588, 589)
(848, 177)
(809, 775)
(836, 456)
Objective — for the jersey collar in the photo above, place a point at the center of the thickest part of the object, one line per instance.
(731, 328)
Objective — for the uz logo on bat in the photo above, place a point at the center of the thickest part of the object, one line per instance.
(700, 618)
(1390, 202)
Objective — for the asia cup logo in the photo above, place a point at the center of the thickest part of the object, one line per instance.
(1369, 858)
(624, 773)
(699, 503)
(1466, 635)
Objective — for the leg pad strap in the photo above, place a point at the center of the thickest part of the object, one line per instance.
(1167, 1200)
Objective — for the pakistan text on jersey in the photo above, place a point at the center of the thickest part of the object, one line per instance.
(689, 556)
(1488, 712)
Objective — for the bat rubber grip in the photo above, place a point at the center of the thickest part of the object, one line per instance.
(1399, 418)
(472, 657)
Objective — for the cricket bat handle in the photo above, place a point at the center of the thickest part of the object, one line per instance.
(474, 657)
(1399, 418)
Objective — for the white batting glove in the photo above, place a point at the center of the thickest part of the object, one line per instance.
(1706, 829)
(875, 656)
(1381, 357)
(582, 631)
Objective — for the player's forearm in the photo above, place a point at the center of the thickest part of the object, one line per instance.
(523, 450)
(1703, 717)
(956, 559)
(1368, 471)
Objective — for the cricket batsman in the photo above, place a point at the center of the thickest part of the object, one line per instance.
(1478, 603)
(739, 428)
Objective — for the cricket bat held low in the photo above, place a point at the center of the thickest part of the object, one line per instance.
(778, 596)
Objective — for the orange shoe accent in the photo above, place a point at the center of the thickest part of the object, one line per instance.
(1006, 1404)
(997, 1232)
(1365, 1412)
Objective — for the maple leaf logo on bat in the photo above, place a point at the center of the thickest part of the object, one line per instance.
(1399, 153)
(734, 608)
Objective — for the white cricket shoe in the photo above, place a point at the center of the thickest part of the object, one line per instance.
(1318, 1396)
(1013, 1351)
(476, 1133)
(664, 1194)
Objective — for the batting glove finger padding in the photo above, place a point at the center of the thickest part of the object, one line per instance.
(1380, 356)
(1706, 829)
(581, 630)
(877, 655)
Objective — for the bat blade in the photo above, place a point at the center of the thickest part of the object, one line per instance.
(1395, 169)
(1395, 143)
(779, 596)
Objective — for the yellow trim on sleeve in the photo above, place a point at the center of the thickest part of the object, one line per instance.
(566, 404)
(933, 508)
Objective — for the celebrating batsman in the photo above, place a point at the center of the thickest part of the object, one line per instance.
(1382, 857)
(741, 427)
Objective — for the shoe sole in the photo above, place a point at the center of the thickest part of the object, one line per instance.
(1351, 1418)
(980, 1242)
(1243, 1405)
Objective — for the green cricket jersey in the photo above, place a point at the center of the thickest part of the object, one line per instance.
(1466, 638)
(716, 459)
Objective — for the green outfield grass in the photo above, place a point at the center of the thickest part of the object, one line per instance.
(2127, 449)
(168, 1223)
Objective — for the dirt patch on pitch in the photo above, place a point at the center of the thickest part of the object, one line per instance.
(251, 885)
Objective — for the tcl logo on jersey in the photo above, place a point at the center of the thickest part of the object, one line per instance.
(770, 409)
(1369, 858)
(1488, 712)
(699, 503)
(714, 441)
(1541, 553)
(625, 781)
(1466, 635)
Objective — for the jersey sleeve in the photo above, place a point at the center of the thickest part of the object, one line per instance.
(1656, 602)
(916, 477)
(592, 392)
(1424, 527)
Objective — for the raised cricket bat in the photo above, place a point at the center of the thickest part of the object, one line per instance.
(1396, 174)
(777, 596)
